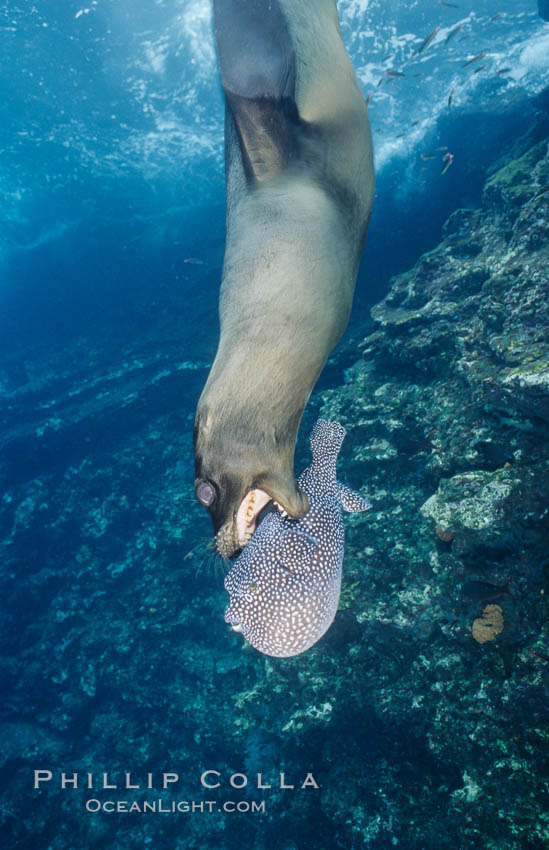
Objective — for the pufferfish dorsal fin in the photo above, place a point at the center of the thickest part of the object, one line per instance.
(351, 501)
(297, 549)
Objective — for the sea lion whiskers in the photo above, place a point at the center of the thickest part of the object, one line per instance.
(212, 563)
(203, 543)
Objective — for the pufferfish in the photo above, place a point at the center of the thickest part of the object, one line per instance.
(284, 587)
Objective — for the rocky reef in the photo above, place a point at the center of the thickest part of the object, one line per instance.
(448, 414)
(423, 714)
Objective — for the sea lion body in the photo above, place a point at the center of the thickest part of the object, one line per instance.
(299, 197)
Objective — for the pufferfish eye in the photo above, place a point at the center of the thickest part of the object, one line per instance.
(205, 493)
(250, 591)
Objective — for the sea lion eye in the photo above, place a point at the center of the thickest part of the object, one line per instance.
(205, 493)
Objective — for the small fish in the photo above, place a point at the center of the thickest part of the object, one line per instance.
(427, 41)
(415, 123)
(382, 80)
(426, 156)
(530, 204)
(447, 159)
(540, 655)
(484, 591)
(194, 261)
(449, 5)
(284, 587)
(453, 33)
(395, 73)
(368, 99)
(480, 68)
(475, 59)
(541, 193)
(504, 70)
(497, 16)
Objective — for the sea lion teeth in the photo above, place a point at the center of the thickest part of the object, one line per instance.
(280, 508)
(245, 521)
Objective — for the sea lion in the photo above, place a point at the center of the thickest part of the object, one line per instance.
(299, 175)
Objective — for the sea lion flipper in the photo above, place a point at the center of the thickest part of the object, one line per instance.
(268, 135)
(255, 50)
(258, 73)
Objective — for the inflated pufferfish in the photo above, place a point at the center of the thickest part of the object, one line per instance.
(284, 587)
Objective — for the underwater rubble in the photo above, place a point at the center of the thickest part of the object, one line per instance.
(424, 712)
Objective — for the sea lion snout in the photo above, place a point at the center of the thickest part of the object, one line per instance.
(239, 469)
(240, 524)
(235, 510)
(238, 530)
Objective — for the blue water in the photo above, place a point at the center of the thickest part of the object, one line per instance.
(111, 243)
(112, 141)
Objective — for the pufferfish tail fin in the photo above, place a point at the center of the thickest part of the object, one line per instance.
(326, 440)
(351, 501)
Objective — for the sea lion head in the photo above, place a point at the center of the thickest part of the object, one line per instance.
(238, 471)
